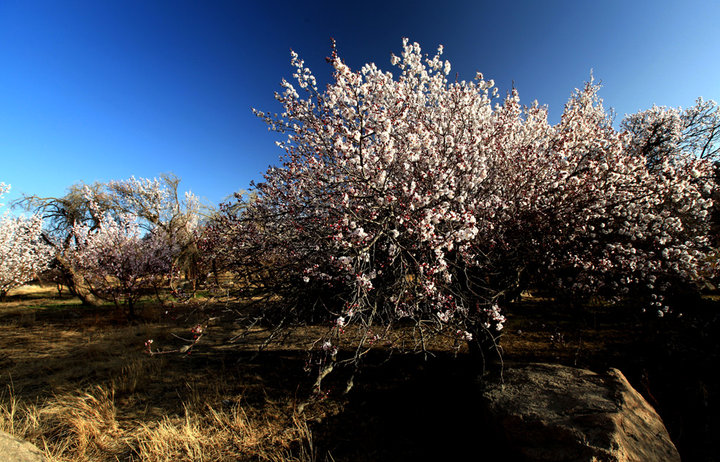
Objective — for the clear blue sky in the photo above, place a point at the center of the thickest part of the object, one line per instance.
(100, 90)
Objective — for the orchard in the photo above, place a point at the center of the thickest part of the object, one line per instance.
(411, 212)
(403, 199)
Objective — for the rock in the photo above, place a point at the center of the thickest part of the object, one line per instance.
(16, 450)
(558, 413)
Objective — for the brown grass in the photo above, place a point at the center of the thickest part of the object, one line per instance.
(86, 428)
(76, 382)
(78, 385)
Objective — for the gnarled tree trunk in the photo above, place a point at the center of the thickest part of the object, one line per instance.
(76, 284)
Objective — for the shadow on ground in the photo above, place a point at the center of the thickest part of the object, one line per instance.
(402, 409)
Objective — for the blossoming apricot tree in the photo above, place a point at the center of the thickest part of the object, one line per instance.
(159, 206)
(414, 197)
(118, 260)
(23, 254)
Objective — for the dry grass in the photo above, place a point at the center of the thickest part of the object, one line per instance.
(75, 382)
(75, 428)
(82, 389)
(223, 435)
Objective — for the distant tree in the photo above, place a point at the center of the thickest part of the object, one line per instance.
(54, 274)
(662, 133)
(218, 240)
(412, 198)
(118, 260)
(60, 214)
(23, 254)
(158, 204)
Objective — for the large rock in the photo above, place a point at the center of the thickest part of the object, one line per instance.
(558, 413)
(15, 450)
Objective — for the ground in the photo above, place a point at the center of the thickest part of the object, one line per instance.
(78, 382)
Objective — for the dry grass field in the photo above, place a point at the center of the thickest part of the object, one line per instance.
(76, 381)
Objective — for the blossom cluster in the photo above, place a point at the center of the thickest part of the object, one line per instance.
(23, 253)
(156, 201)
(667, 133)
(3, 190)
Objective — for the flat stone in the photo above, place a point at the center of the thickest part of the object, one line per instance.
(13, 449)
(554, 413)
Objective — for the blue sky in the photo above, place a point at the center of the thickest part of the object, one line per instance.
(100, 90)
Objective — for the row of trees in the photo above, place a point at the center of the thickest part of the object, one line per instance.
(110, 241)
(413, 198)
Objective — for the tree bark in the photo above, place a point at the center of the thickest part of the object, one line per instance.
(76, 284)
(484, 349)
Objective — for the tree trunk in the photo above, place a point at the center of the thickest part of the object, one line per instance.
(76, 284)
(215, 272)
(484, 349)
(130, 309)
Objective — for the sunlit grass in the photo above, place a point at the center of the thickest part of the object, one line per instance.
(85, 427)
